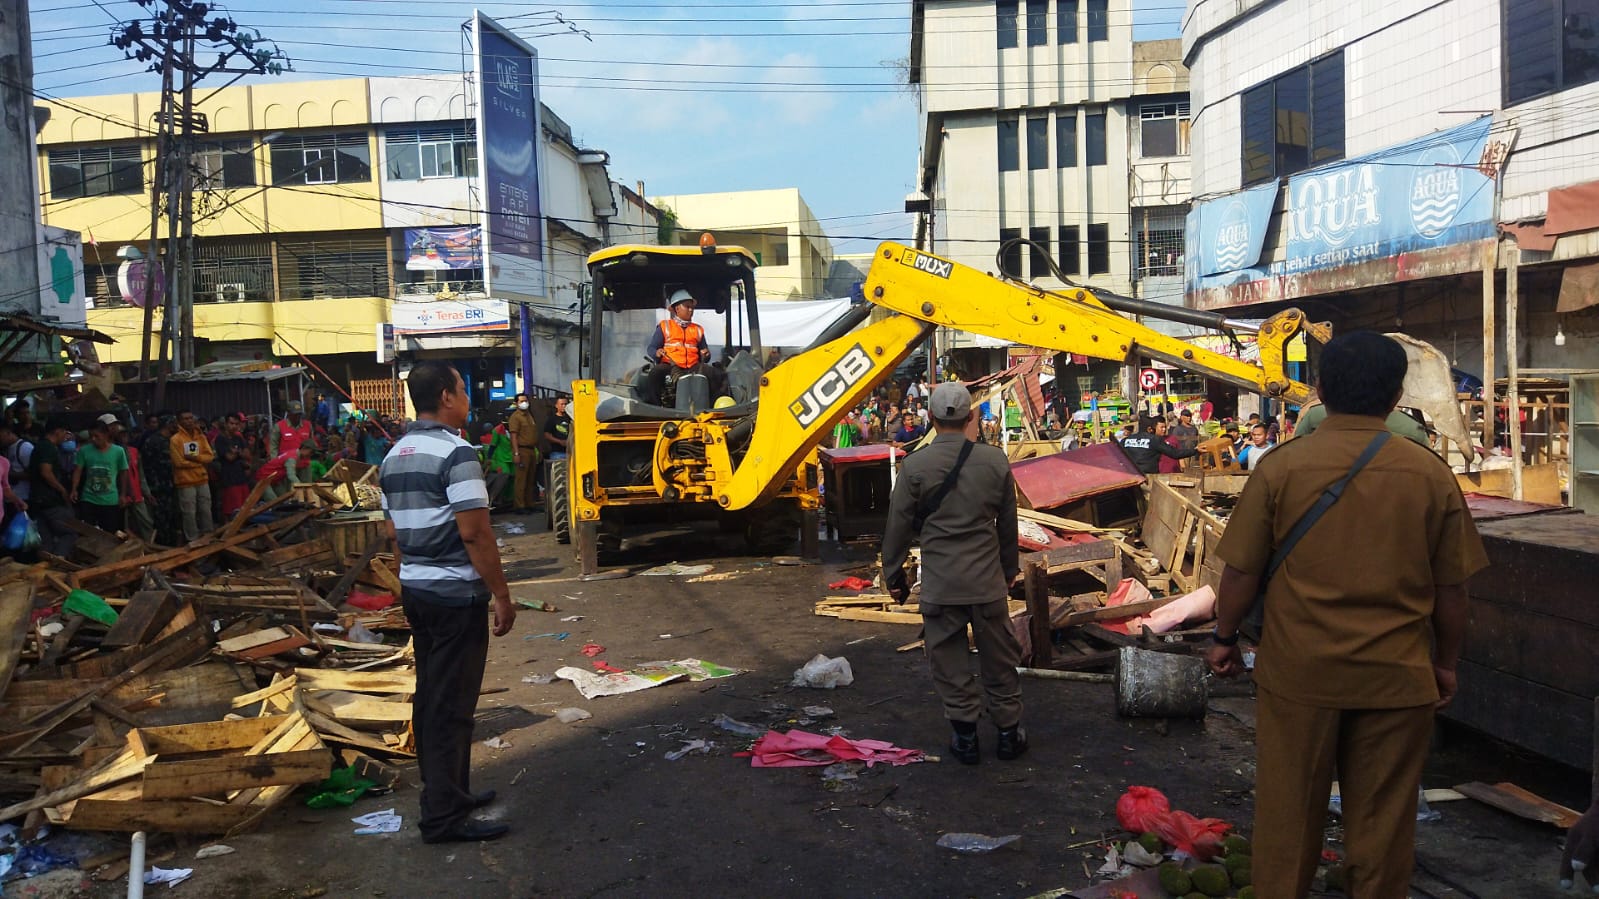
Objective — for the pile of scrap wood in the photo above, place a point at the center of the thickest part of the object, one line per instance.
(194, 688)
(1090, 590)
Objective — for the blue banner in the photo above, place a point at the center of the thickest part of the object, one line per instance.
(443, 249)
(1418, 195)
(508, 152)
(1225, 235)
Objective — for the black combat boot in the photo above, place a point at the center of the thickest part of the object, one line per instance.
(963, 745)
(1012, 743)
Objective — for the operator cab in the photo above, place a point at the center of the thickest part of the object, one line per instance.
(634, 283)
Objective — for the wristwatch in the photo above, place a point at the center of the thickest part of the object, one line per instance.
(1219, 640)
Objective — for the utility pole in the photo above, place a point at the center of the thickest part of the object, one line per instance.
(168, 42)
(19, 192)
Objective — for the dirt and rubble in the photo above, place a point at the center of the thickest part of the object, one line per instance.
(597, 806)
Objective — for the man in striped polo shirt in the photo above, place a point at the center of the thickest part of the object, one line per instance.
(438, 513)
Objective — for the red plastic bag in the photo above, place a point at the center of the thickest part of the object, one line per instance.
(1199, 837)
(1140, 808)
(371, 602)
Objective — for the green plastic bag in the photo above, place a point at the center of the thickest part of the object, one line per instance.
(341, 789)
(82, 602)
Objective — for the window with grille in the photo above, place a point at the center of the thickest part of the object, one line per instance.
(95, 171)
(445, 150)
(100, 285)
(222, 165)
(1158, 238)
(232, 271)
(1163, 129)
(333, 268)
(342, 158)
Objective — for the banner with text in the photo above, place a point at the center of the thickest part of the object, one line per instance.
(1433, 191)
(509, 155)
(444, 316)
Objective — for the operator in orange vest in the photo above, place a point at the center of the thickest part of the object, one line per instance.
(679, 344)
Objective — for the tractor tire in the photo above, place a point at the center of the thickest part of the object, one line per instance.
(560, 504)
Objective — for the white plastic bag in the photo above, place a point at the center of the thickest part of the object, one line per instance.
(824, 673)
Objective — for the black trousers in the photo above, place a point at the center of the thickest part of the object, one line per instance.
(107, 518)
(452, 644)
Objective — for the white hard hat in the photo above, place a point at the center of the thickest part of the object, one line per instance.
(679, 296)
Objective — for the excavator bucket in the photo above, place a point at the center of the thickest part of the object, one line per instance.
(1430, 388)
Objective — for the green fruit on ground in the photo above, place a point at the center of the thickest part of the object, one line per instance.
(1196, 896)
(1243, 875)
(1247, 893)
(1212, 880)
(1152, 843)
(1235, 845)
(1174, 880)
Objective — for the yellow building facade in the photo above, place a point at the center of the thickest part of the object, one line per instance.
(293, 254)
(795, 254)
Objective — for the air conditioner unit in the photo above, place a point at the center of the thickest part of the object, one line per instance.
(230, 293)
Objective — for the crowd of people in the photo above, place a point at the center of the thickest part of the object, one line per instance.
(170, 477)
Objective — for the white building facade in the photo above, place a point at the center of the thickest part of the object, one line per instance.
(1043, 120)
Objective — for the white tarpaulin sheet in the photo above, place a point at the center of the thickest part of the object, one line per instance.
(783, 323)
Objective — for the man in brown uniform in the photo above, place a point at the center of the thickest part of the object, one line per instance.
(1344, 672)
(525, 454)
(959, 498)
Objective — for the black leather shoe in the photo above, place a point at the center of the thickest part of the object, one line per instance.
(1012, 743)
(471, 830)
(484, 798)
(964, 748)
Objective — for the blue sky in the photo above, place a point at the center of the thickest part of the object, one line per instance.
(706, 95)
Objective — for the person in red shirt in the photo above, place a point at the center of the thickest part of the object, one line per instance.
(285, 468)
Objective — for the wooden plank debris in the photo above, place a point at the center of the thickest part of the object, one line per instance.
(1508, 797)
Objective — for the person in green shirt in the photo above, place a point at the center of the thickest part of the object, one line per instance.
(101, 487)
(846, 433)
(499, 463)
(319, 467)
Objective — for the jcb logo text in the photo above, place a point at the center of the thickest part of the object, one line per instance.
(922, 262)
(831, 386)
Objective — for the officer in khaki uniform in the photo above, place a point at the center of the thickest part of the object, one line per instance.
(1363, 627)
(969, 561)
(525, 452)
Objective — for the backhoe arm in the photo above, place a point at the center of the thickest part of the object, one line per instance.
(947, 293)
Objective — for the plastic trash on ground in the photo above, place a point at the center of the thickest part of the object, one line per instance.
(214, 850)
(169, 876)
(341, 789)
(385, 821)
(733, 725)
(571, 715)
(689, 748)
(975, 842)
(824, 673)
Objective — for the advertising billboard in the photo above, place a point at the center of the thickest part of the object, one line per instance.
(509, 160)
(1432, 191)
(443, 249)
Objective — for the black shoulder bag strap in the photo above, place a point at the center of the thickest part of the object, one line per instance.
(925, 511)
(1256, 618)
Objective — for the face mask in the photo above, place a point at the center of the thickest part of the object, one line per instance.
(522, 406)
